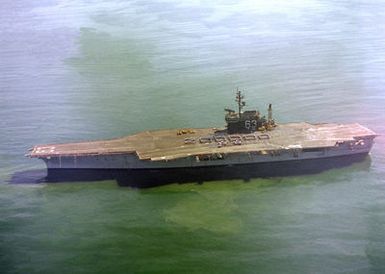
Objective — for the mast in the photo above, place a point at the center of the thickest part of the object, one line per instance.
(239, 99)
(269, 114)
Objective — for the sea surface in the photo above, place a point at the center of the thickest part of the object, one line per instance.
(85, 69)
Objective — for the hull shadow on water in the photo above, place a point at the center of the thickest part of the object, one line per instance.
(152, 178)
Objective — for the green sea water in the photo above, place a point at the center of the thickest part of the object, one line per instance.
(86, 69)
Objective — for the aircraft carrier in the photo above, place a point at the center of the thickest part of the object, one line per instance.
(251, 145)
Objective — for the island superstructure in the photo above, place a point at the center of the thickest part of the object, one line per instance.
(248, 140)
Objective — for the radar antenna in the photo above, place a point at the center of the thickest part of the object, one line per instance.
(239, 99)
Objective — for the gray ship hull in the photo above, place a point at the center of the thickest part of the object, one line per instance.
(148, 177)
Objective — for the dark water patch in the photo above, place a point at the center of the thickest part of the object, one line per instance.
(40, 176)
(35, 176)
(111, 57)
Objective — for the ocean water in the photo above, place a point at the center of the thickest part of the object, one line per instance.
(86, 69)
